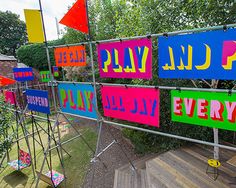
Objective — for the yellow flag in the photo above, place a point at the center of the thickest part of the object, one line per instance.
(34, 26)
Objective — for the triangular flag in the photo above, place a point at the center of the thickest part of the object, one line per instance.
(6, 81)
(34, 26)
(76, 17)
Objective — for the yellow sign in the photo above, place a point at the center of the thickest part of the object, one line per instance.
(214, 163)
(34, 26)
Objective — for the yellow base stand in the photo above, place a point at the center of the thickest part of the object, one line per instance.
(212, 168)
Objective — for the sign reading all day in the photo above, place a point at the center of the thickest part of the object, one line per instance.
(126, 59)
(23, 74)
(209, 109)
(206, 55)
(10, 97)
(77, 99)
(70, 56)
(139, 105)
(38, 101)
(45, 76)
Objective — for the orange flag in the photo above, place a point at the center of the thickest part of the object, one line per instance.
(76, 17)
(6, 81)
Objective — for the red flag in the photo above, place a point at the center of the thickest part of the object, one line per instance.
(6, 81)
(76, 17)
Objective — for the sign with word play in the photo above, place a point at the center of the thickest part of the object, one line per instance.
(217, 110)
(70, 56)
(126, 59)
(78, 99)
(140, 105)
(23, 74)
(206, 55)
(38, 101)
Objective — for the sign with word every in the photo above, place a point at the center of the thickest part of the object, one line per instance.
(38, 101)
(206, 55)
(23, 74)
(217, 110)
(45, 76)
(70, 56)
(78, 99)
(140, 105)
(126, 59)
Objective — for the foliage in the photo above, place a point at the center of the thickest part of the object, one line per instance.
(34, 55)
(5, 125)
(12, 33)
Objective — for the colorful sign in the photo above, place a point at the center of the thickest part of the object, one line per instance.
(6, 81)
(10, 97)
(34, 26)
(38, 101)
(23, 74)
(140, 105)
(45, 76)
(70, 56)
(76, 17)
(126, 59)
(78, 99)
(206, 55)
(55, 71)
(217, 110)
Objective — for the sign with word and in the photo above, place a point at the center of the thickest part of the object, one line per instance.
(78, 99)
(140, 105)
(45, 76)
(126, 59)
(38, 101)
(23, 74)
(70, 56)
(206, 55)
(6, 81)
(10, 97)
(217, 110)
(55, 71)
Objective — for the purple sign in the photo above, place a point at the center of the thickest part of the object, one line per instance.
(126, 59)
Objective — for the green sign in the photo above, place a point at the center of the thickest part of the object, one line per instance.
(217, 110)
(45, 76)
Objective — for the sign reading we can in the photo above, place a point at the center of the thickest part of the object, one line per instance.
(77, 99)
(206, 55)
(217, 110)
(126, 59)
(23, 74)
(38, 101)
(140, 105)
(70, 56)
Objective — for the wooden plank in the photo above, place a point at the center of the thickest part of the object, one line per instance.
(232, 161)
(144, 182)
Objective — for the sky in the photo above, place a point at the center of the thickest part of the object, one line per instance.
(51, 9)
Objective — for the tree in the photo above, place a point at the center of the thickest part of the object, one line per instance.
(12, 33)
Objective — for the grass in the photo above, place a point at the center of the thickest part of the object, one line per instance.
(75, 166)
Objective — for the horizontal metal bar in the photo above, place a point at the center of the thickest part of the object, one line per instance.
(75, 115)
(171, 135)
(21, 138)
(69, 82)
(154, 35)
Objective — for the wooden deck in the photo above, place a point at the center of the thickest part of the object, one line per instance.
(184, 167)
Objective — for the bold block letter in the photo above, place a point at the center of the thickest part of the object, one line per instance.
(216, 111)
(201, 110)
(177, 106)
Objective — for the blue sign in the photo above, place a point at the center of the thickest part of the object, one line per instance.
(23, 74)
(78, 99)
(38, 101)
(206, 55)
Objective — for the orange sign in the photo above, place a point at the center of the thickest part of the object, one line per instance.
(70, 56)
(6, 81)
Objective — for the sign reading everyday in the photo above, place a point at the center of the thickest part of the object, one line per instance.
(209, 109)
(77, 99)
(23, 74)
(139, 105)
(10, 97)
(38, 101)
(70, 56)
(206, 55)
(126, 59)
(45, 76)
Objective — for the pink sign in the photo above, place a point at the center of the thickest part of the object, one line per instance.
(10, 97)
(229, 54)
(126, 59)
(139, 105)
